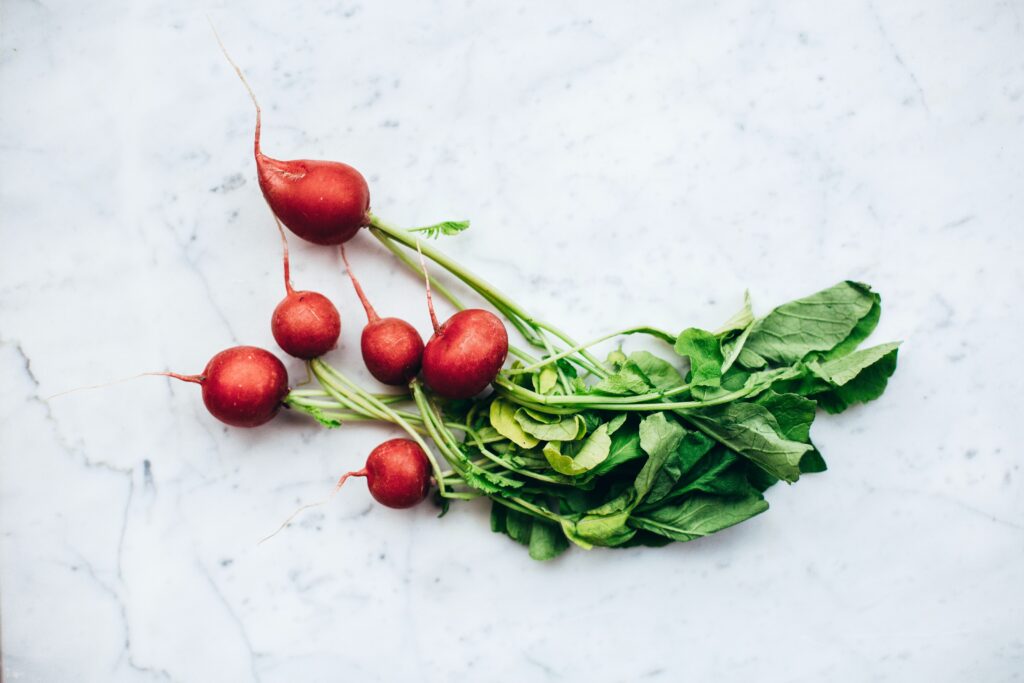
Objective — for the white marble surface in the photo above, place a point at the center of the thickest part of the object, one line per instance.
(620, 164)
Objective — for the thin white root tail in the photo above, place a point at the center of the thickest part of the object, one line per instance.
(337, 487)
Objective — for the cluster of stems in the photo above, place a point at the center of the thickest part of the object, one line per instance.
(341, 400)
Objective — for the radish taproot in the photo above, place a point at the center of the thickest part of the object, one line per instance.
(392, 348)
(323, 202)
(242, 386)
(465, 353)
(305, 324)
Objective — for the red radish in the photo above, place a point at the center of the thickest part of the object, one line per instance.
(242, 386)
(324, 202)
(466, 353)
(392, 348)
(397, 473)
(305, 324)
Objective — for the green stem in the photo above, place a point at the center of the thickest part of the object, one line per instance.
(415, 267)
(514, 502)
(334, 409)
(493, 457)
(444, 291)
(468, 495)
(597, 368)
(323, 373)
(514, 315)
(484, 288)
(654, 332)
(545, 403)
(346, 399)
(562, 379)
(319, 393)
(527, 508)
(508, 387)
(526, 326)
(454, 459)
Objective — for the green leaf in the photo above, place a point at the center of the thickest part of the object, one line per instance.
(659, 437)
(503, 420)
(857, 378)
(566, 429)
(546, 418)
(321, 417)
(616, 422)
(646, 539)
(657, 373)
(594, 451)
(730, 343)
(705, 354)
(795, 414)
(625, 447)
(721, 473)
(518, 526)
(628, 380)
(748, 358)
(489, 482)
(841, 371)
(615, 358)
(692, 447)
(861, 331)
(544, 539)
(591, 421)
(733, 347)
(818, 323)
(567, 368)
(752, 431)
(605, 530)
(545, 380)
(641, 373)
(446, 228)
(456, 410)
(606, 525)
(698, 516)
(740, 320)
(812, 462)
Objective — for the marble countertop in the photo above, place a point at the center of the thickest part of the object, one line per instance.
(620, 164)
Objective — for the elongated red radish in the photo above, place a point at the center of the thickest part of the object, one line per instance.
(324, 202)
(242, 386)
(397, 473)
(392, 348)
(305, 324)
(465, 353)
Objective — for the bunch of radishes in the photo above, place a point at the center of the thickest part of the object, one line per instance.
(567, 447)
(326, 203)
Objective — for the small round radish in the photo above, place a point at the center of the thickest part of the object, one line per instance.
(392, 348)
(242, 386)
(466, 353)
(397, 473)
(305, 324)
(324, 202)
